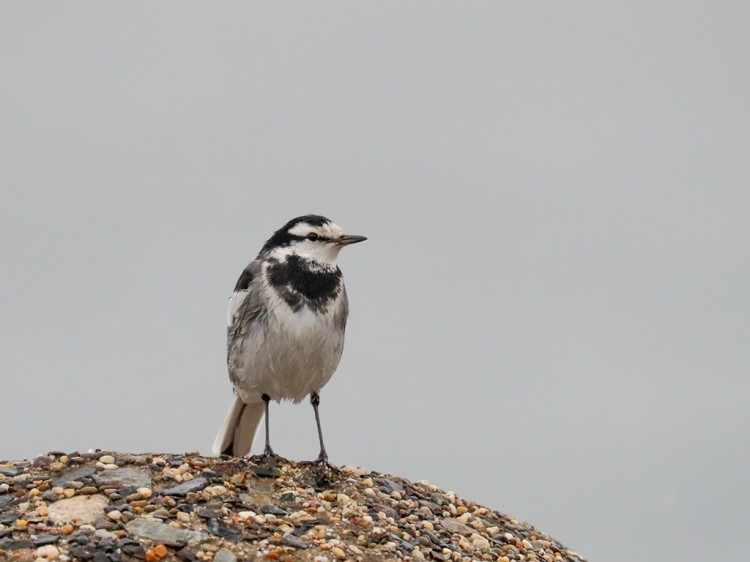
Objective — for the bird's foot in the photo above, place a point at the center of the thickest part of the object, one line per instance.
(267, 458)
(320, 462)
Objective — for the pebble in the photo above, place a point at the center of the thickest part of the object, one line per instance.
(338, 552)
(294, 541)
(224, 555)
(455, 526)
(107, 459)
(125, 477)
(183, 489)
(161, 532)
(49, 552)
(83, 509)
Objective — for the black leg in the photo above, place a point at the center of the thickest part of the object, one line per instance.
(267, 452)
(315, 401)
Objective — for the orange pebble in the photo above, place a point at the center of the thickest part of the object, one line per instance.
(156, 553)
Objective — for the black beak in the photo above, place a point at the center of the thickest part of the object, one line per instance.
(347, 239)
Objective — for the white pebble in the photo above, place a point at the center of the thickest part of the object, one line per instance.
(49, 551)
(107, 459)
(114, 515)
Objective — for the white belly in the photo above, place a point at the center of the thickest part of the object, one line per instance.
(290, 356)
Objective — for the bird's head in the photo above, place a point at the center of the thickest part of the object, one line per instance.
(310, 237)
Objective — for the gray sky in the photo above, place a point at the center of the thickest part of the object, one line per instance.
(550, 316)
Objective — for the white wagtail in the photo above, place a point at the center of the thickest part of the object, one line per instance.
(286, 325)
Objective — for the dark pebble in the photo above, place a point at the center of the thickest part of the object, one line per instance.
(438, 499)
(187, 554)
(302, 529)
(82, 552)
(206, 513)
(134, 550)
(105, 524)
(273, 510)
(288, 497)
(41, 461)
(9, 472)
(432, 536)
(41, 540)
(73, 474)
(294, 541)
(103, 556)
(83, 540)
(50, 496)
(9, 544)
(390, 485)
(220, 529)
(8, 518)
(183, 489)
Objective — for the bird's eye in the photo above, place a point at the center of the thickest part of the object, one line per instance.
(312, 236)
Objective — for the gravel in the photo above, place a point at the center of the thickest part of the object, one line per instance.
(108, 506)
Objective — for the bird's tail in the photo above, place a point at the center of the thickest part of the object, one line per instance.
(238, 430)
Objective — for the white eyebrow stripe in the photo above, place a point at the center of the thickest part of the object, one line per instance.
(303, 229)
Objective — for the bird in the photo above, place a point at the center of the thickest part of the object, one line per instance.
(285, 329)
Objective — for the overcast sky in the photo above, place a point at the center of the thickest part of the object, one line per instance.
(550, 316)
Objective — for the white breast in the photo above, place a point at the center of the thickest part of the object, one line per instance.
(290, 355)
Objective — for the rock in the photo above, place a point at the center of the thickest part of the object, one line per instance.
(9, 472)
(224, 555)
(126, 477)
(72, 474)
(454, 526)
(9, 544)
(42, 540)
(220, 529)
(50, 496)
(194, 485)
(49, 551)
(309, 513)
(135, 550)
(207, 513)
(273, 510)
(163, 533)
(294, 541)
(390, 485)
(83, 509)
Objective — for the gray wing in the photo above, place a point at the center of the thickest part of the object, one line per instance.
(246, 306)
